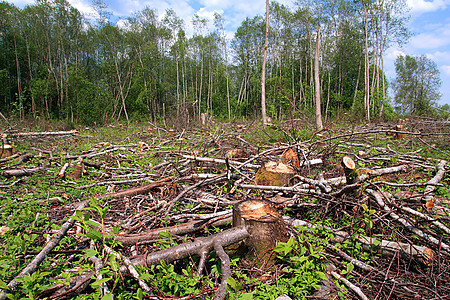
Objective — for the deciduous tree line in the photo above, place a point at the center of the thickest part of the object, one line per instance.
(56, 64)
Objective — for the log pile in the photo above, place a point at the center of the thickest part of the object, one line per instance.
(196, 202)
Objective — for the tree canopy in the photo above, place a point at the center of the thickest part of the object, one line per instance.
(56, 64)
(416, 85)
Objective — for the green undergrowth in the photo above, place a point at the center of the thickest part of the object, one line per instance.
(301, 261)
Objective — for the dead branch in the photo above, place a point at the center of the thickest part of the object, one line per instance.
(62, 172)
(34, 264)
(189, 227)
(2, 160)
(43, 133)
(98, 265)
(351, 286)
(130, 268)
(379, 199)
(433, 221)
(217, 160)
(421, 254)
(22, 172)
(138, 190)
(435, 180)
(224, 238)
(226, 268)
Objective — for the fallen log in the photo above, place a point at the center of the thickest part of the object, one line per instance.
(189, 227)
(51, 133)
(224, 238)
(429, 189)
(22, 172)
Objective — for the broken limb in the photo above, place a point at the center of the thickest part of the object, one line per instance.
(350, 285)
(28, 134)
(226, 269)
(421, 254)
(34, 264)
(379, 199)
(433, 221)
(138, 190)
(189, 227)
(218, 161)
(429, 189)
(130, 268)
(98, 266)
(227, 237)
(22, 172)
(62, 172)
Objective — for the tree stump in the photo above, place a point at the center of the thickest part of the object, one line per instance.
(266, 228)
(399, 135)
(6, 150)
(349, 169)
(204, 119)
(275, 174)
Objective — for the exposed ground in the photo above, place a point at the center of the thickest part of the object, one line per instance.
(145, 188)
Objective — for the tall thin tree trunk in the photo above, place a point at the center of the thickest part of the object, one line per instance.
(263, 73)
(366, 66)
(319, 125)
(19, 88)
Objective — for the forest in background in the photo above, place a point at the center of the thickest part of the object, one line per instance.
(56, 64)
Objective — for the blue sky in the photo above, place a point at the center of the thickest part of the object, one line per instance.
(430, 23)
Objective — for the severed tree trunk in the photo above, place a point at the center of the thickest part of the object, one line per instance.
(266, 228)
(275, 174)
(349, 169)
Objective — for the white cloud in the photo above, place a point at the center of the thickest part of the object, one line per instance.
(440, 56)
(430, 40)
(208, 14)
(393, 53)
(85, 8)
(446, 70)
(422, 6)
(123, 24)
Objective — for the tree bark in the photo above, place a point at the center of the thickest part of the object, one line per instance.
(319, 125)
(263, 73)
(266, 228)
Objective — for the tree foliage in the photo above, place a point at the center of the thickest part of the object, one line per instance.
(56, 64)
(416, 85)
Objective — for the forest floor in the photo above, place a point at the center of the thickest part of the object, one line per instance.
(144, 212)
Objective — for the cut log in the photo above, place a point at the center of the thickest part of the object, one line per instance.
(273, 173)
(22, 172)
(399, 135)
(6, 151)
(266, 228)
(78, 172)
(290, 157)
(349, 169)
(204, 119)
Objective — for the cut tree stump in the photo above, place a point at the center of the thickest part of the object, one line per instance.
(398, 134)
(266, 228)
(273, 173)
(349, 169)
(6, 150)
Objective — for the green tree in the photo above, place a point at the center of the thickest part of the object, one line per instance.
(416, 85)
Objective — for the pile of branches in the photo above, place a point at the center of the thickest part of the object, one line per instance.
(202, 174)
